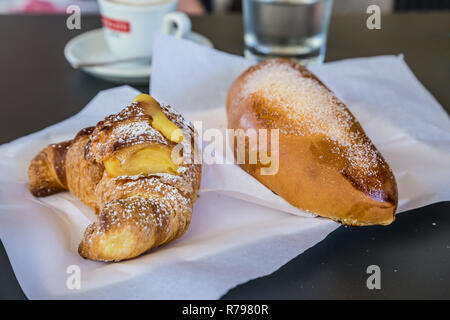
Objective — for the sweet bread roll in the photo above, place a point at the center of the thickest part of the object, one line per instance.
(327, 164)
(124, 170)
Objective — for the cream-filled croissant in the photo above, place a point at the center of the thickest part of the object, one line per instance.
(327, 164)
(123, 169)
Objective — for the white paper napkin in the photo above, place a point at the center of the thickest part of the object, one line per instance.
(229, 241)
(404, 121)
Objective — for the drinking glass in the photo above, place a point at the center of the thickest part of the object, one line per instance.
(295, 29)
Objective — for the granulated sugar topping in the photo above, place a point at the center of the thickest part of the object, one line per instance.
(297, 104)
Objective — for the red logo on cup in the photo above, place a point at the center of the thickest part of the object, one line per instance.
(116, 25)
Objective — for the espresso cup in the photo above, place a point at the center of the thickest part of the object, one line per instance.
(130, 26)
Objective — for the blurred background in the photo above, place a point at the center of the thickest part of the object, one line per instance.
(198, 7)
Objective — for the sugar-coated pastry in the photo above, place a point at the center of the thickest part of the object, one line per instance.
(327, 164)
(122, 168)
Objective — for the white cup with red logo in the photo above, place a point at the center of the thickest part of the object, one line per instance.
(130, 26)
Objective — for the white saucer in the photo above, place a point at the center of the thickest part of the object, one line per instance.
(91, 46)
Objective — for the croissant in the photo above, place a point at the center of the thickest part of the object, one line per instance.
(326, 163)
(124, 169)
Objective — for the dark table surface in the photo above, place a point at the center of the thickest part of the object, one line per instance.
(38, 88)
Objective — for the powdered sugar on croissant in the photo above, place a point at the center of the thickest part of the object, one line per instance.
(122, 168)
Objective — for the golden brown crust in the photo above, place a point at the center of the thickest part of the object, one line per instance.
(122, 226)
(47, 171)
(83, 175)
(327, 164)
(43, 180)
(135, 213)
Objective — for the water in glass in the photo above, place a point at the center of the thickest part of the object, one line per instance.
(295, 29)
